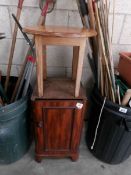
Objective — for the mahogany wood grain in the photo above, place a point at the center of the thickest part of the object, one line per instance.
(58, 117)
(58, 127)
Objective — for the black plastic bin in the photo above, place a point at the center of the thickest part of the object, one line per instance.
(15, 137)
(108, 137)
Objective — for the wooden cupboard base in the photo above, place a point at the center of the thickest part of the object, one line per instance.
(38, 159)
(74, 157)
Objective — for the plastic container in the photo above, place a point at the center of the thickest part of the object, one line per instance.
(109, 137)
(15, 136)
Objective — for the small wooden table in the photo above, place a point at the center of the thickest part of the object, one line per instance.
(69, 36)
(58, 120)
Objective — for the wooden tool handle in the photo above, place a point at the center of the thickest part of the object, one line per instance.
(12, 50)
(44, 10)
(20, 4)
(127, 97)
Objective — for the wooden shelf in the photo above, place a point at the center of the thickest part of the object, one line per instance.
(59, 88)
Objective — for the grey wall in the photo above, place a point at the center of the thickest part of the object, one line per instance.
(65, 13)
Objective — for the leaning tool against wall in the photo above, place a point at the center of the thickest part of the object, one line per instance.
(29, 66)
(3, 97)
(87, 18)
(19, 9)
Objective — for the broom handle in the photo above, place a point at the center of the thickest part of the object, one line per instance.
(91, 13)
(103, 50)
(19, 9)
(94, 41)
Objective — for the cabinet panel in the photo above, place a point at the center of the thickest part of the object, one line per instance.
(58, 123)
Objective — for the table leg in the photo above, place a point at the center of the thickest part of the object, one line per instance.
(39, 64)
(75, 61)
(80, 66)
(44, 63)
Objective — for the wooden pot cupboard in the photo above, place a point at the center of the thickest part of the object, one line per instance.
(58, 120)
(59, 104)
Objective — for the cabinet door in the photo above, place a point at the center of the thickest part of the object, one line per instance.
(62, 122)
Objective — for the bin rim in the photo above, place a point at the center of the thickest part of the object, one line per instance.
(17, 105)
(12, 104)
(111, 106)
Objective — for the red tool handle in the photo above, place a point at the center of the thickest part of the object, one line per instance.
(93, 4)
(31, 59)
(20, 4)
(45, 8)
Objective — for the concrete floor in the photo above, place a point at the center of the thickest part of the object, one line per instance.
(86, 165)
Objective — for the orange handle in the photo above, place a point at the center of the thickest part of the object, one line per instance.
(20, 4)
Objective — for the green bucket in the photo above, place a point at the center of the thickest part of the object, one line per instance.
(14, 131)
